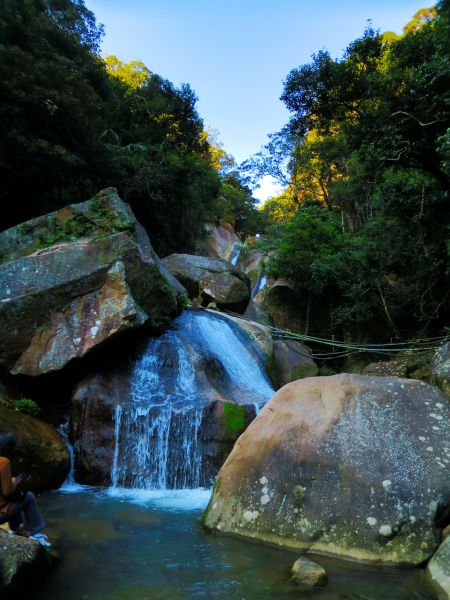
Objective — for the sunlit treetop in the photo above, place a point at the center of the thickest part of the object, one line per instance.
(134, 73)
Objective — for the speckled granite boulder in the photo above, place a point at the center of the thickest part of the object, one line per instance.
(211, 280)
(72, 280)
(440, 368)
(23, 563)
(347, 465)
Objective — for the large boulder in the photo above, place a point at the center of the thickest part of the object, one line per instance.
(221, 242)
(41, 450)
(439, 568)
(23, 563)
(440, 368)
(291, 361)
(347, 465)
(74, 279)
(289, 309)
(210, 280)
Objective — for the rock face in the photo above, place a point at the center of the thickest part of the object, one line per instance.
(291, 360)
(346, 465)
(288, 309)
(220, 242)
(75, 278)
(22, 562)
(439, 568)
(41, 452)
(211, 280)
(192, 390)
(440, 368)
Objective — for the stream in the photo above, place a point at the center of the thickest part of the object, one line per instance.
(142, 538)
(121, 544)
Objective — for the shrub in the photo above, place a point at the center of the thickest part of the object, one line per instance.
(27, 406)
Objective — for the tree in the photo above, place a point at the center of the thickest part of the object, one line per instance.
(368, 141)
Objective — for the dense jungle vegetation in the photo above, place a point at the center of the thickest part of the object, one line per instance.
(363, 225)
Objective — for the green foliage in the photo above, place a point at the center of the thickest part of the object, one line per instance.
(72, 124)
(363, 226)
(27, 406)
(237, 205)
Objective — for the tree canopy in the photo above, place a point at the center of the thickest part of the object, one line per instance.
(73, 123)
(364, 222)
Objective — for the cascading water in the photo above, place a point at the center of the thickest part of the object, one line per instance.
(260, 283)
(235, 254)
(159, 431)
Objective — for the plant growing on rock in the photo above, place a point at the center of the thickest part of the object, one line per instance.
(27, 406)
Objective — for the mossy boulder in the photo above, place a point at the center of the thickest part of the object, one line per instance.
(41, 450)
(72, 280)
(23, 564)
(347, 465)
(438, 569)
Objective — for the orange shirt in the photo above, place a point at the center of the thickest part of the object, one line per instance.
(8, 484)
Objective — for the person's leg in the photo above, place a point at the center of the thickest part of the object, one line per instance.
(33, 520)
(15, 521)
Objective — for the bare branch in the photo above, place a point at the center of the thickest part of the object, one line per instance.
(402, 112)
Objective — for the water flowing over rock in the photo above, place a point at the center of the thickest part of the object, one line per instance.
(169, 418)
(346, 465)
(211, 280)
(74, 279)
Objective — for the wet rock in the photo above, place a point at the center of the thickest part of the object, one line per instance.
(22, 562)
(347, 465)
(41, 451)
(291, 360)
(72, 280)
(211, 280)
(308, 574)
(440, 368)
(439, 568)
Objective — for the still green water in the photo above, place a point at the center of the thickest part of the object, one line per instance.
(151, 546)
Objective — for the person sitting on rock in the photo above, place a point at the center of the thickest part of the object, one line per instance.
(19, 509)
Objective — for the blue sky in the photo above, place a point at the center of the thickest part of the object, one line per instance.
(235, 54)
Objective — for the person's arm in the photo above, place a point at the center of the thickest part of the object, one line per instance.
(8, 482)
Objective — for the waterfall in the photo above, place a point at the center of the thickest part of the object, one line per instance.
(260, 283)
(70, 484)
(160, 429)
(235, 254)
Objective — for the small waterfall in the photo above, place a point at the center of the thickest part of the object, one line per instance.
(235, 254)
(260, 283)
(69, 485)
(159, 431)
